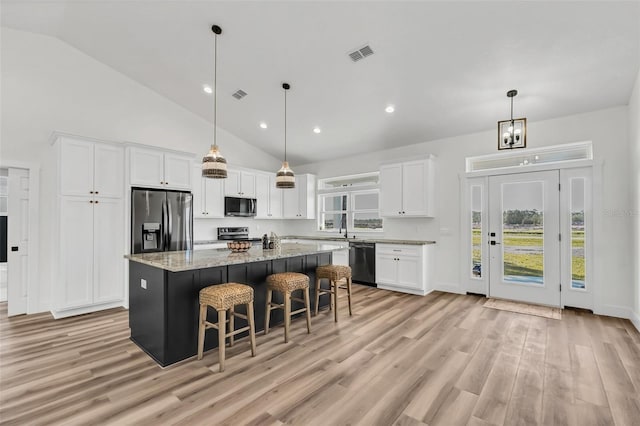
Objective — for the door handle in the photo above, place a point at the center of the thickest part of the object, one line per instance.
(14, 248)
(493, 243)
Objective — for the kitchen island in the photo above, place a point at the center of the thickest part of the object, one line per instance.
(164, 288)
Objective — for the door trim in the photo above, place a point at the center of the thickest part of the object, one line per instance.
(481, 286)
(33, 293)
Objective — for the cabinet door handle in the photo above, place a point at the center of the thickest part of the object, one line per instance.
(96, 201)
(166, 183)
(161, 183)
(96, 192)
(90, 192)
(397, 250)
(91, 201)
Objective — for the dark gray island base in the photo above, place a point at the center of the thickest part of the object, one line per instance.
(163, 317)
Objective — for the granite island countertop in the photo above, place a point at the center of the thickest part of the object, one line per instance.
(359, 240)
(177, 261)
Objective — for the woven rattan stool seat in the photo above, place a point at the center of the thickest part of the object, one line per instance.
(226, 296)
(287, 281)
(333, 272)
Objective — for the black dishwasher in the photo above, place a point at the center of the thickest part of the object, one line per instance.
(362, 259)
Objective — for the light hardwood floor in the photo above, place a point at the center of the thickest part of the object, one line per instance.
(442, 359)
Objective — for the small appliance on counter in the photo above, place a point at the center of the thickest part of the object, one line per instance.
(240, 233)
(161, 220)
(239, 207)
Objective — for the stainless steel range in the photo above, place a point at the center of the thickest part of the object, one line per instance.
(240, 233)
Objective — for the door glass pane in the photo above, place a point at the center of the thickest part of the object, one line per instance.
(522, 232)
(367, 221)
(476, 231)
(577, 233)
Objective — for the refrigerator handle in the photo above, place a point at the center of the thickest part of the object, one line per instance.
(170, 221)
(164, 226)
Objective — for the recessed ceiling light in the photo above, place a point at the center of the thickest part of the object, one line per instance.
(316, 129)
(390, 109)
(207, 89)
(263, 125)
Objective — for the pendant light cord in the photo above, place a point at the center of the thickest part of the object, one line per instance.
(215, 89)
(285, 125)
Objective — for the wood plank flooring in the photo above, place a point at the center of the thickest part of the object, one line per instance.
(442, 359)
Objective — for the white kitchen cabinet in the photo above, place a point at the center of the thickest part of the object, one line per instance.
(240, 183)
(88, 168)
(90, 231)
(90, 267)
(154, 168)
(107, 250)
(268, 197)
(405, 268)
(300, 202)
(208, 198)
(408, 189)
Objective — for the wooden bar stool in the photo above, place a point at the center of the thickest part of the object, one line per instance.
(223, 298)
(286, 283)
(333, 273)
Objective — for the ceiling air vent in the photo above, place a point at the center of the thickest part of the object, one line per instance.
(239, 94)
(361, 53)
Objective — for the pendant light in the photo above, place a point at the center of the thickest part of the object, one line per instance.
(214, 165)
(285, 178)
(512, 133)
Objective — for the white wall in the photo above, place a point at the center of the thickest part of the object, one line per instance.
(607, 129)
(49, 86)
(634, 140)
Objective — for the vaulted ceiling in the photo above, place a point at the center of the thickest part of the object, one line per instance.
(445, 66)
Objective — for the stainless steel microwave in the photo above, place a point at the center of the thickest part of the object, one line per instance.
(234, 206)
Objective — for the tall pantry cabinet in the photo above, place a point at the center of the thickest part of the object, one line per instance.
(89, 244)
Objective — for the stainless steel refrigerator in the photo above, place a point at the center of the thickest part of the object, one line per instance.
(161, 220)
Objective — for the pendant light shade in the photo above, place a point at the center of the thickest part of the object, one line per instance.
(284, 177)
(214, 165)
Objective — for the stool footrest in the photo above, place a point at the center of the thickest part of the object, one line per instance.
(298, 311)
(238, 331)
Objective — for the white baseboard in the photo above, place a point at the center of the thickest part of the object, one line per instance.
(614, 311)
(404, 289)
(635, 320)
(449, 288)
(3, 294)
(84, 310)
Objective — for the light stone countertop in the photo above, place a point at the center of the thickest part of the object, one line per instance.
(178, 261)
(359, 240)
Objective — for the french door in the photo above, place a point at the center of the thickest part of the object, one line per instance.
(524, 237)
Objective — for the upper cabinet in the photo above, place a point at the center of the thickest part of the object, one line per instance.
(240, 183)
(268, 197)
(208, 197)
(408, 189)
(154, 168)
(300, 202)
(88, 168)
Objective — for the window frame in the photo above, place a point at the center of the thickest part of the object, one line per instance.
(350, 211)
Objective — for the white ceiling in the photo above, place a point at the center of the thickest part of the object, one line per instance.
(446, 66)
